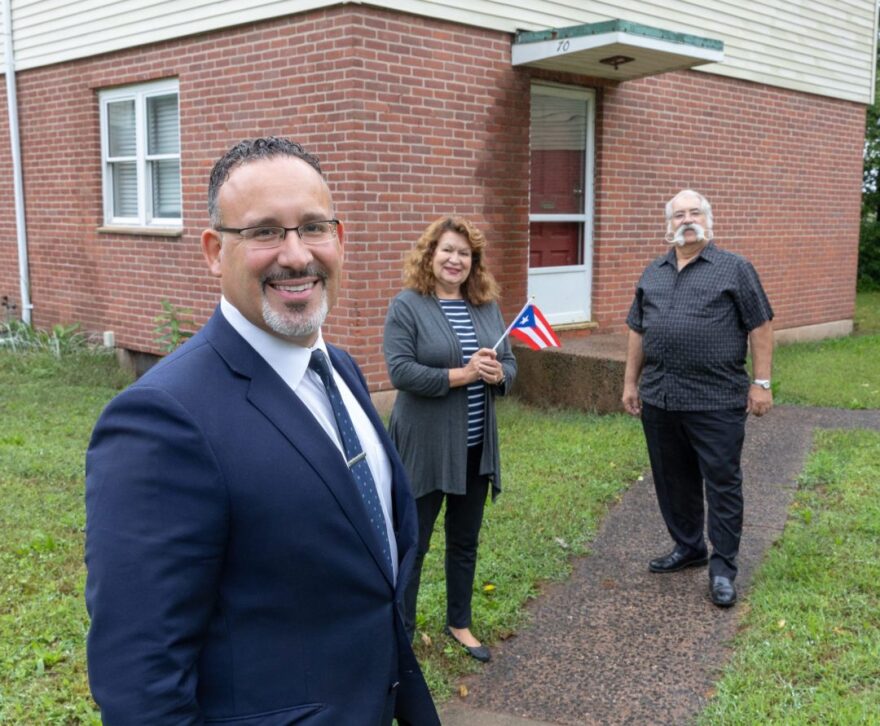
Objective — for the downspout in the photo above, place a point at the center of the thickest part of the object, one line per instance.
(20, 224)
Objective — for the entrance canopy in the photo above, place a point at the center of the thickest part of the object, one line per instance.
(614, 49)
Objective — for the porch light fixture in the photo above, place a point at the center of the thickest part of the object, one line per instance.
(616, 60)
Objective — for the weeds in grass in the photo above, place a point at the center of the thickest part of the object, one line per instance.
(809, 652)
(174, 326)
(58, 340)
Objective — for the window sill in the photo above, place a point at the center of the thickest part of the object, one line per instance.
(143, 231)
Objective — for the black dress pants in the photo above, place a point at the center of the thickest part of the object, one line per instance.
(688, 448)
(464, 516)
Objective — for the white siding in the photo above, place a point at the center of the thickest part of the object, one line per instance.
(825, 47)
(818, 46)
(2, 45)
(51, 31)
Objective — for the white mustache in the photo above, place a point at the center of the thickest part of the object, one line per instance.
(678, 237)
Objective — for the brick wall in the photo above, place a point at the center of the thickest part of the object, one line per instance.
(413, 118)
(782, 170)
(440, 125)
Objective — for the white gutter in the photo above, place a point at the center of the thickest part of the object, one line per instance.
(20, 224)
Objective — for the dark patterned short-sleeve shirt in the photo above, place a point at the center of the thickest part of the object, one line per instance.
(695, 325)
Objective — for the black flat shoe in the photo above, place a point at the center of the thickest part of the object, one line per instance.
(677, 560)
(480, 652)
(722, 591)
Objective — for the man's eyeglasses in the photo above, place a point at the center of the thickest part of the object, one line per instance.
(264, 237)
(681, 214)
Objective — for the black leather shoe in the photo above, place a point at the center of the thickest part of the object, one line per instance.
(480, 652)
(722, 591)
(677, 560)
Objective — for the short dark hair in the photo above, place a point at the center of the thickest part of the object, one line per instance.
(267, 147)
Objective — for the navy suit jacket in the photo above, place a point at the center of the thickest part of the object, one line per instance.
(233, 574)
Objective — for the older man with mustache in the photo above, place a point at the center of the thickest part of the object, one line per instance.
(696, 310)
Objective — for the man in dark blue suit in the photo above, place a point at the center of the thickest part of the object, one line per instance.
(244, 566)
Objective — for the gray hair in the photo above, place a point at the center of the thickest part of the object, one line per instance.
(705, 208)
(268, 147)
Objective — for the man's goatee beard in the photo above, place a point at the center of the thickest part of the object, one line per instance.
(293, 324)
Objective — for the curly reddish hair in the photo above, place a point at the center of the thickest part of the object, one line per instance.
(418, 271)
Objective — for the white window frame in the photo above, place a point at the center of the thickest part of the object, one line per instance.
(139, 93)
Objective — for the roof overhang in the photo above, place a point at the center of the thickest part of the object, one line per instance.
(614, 49)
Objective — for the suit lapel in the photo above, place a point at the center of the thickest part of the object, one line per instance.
(283, 408)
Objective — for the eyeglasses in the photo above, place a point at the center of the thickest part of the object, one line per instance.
(265, 238)
(696, 212)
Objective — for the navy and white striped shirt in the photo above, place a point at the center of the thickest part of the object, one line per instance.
(459, 318)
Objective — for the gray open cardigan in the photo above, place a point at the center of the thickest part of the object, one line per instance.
(429, 419)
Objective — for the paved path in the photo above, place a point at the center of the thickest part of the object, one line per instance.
(616, 644)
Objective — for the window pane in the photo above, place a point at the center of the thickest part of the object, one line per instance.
(162, 125)
(124, 175)
(558, 154)
(166, 188)
(120, 126)
(552, 244)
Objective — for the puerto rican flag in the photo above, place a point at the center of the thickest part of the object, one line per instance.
(532, 328)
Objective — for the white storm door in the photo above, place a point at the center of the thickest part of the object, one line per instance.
(561, 202)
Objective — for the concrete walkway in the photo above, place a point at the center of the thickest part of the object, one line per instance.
(616, 644)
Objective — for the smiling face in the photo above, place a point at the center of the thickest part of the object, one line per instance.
(288, 290)
(688, 221)
(451, 264)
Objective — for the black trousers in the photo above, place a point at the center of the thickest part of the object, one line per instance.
(688, 449)
(464, 517)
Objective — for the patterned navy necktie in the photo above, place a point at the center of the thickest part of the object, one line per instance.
(354, 453)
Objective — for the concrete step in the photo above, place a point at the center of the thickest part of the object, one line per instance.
(586, 373)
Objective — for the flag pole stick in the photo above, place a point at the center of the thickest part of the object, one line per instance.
(513, 322)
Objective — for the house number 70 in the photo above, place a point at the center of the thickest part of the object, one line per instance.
(562, 47)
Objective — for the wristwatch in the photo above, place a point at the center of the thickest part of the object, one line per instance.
(762, 382)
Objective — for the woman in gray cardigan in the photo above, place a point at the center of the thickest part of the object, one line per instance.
(439, 338)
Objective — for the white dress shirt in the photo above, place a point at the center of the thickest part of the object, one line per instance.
(291, 362)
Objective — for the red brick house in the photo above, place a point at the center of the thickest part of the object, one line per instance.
(561, 128)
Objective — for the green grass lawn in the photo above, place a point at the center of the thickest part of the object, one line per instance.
(841, 373)
(47, 409)
(561, 472)
(809, 650)
(867, 318)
